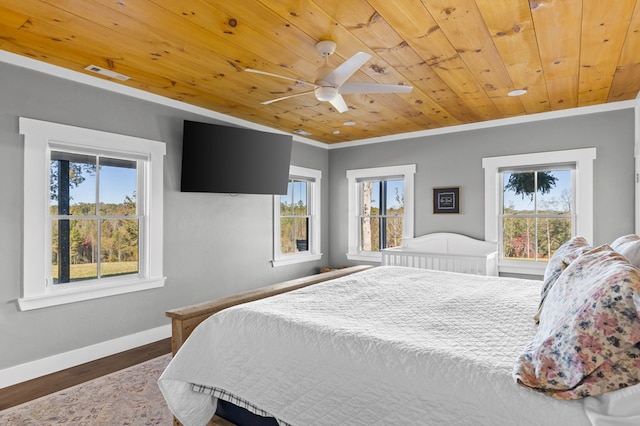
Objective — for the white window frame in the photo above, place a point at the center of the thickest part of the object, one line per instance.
(40, 137)
(583, 198)
(354, 177)
(314, 252)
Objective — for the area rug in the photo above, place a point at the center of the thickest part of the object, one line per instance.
(126, 397)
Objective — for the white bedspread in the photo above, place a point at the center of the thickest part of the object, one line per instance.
(388, 346)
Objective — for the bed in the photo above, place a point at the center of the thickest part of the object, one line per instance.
(395, 345)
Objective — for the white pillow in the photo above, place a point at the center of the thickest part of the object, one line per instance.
(620, 242)
(629, 247)
(632, 252)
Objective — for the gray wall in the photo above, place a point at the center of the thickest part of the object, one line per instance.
(215, 245)
(455, 159)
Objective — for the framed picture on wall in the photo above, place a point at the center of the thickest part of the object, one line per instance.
(446, 200)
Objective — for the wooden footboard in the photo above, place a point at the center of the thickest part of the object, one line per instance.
(184, 320)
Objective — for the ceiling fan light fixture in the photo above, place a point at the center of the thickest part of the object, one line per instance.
(332, 82)
(326, 93)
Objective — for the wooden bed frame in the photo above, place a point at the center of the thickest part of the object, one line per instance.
(184, 320)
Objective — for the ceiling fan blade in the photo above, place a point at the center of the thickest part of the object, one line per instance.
(354, 87)
(279, 76)
(346, 69)
(286, 97)
(339, 104)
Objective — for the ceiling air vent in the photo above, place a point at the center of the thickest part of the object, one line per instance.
(106, 72)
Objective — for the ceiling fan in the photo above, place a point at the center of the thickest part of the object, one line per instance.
(334, 84)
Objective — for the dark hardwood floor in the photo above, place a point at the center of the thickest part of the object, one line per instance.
(36, 388)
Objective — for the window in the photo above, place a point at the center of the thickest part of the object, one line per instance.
(380, 214)
(380, 210)
(537, 212)
(535, 203)
(97, 199)
(294, 217)
(297, 218)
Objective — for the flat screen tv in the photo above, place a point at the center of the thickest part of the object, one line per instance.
(234, 160)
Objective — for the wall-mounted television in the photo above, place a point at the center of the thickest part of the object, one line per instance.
(234, 160)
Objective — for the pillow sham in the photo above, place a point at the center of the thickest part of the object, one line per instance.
(562, 257)
(588, 340)
(619, 243)
(629, 247)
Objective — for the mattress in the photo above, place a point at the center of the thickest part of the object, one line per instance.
(390, 345)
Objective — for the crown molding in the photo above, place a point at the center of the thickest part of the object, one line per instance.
(571, 112)
(101, 83)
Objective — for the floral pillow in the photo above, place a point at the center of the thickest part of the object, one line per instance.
(588, 340)
(562, 257)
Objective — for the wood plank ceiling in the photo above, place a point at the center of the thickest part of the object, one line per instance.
(462, 57)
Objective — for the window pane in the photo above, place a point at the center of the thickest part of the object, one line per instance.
(394, 232)
(554, 192)
(119, 247)
(552, 233)
(118, 184)
(395, 197)
(299, 198)
(551, 190)
(519, 193)
(286, 201)
(519, 238)
(302, 234)
(74, 250)
(72, 183)
(370, 196)
(370, 233)
(287, 235)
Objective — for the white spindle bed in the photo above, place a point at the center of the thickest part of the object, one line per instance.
(445, 251)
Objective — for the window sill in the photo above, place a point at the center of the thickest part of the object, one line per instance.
(294, 259)
(63, 296)
(524, 268)
(366, 257)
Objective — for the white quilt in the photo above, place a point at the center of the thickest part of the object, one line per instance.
(388, 346)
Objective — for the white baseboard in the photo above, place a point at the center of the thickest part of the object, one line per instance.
(41, 367)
